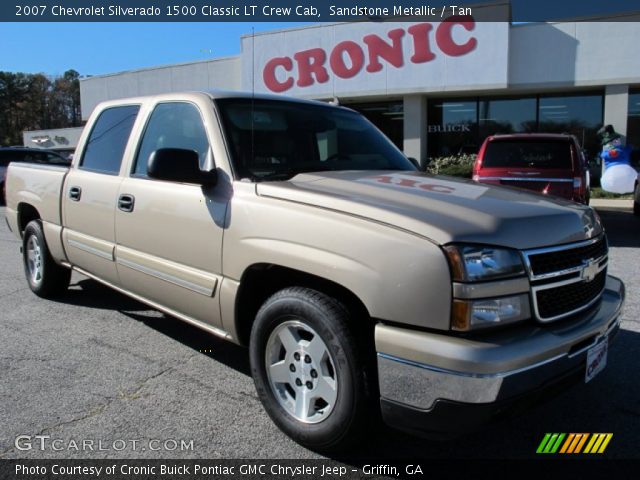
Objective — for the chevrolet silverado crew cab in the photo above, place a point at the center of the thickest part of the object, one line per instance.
(360, 285)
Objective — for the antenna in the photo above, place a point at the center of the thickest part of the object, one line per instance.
(253, 91)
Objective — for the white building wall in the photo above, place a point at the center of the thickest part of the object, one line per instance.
(574, 54)
(56, 139)
(616, 107)
(465, 72)
(532, 58)
(221, 73)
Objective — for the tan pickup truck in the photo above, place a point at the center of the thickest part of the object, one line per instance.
(360, 285)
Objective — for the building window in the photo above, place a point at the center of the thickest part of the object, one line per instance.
(580, 115)
(458, 126)
(512, 115)
(387, 116)
(452, 127)
(633, 125)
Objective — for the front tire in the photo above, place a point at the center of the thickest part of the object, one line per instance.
(45, 277)
(308, 370)
(636, 201)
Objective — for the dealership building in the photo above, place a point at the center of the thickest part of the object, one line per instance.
(434, 88)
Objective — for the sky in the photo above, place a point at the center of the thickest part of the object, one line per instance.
(99, 48)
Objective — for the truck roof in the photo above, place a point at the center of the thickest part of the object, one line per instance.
(214, 94)
(530, 136)
(262, 96)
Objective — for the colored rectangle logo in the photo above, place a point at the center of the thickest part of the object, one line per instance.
(574, 443)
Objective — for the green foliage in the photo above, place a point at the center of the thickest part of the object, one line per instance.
(597, 192)
(454, 165)
(36, 101)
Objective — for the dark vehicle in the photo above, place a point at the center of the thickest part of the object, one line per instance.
(29, 155)
(552, 164)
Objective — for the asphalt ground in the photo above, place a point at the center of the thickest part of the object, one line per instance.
(97, 366)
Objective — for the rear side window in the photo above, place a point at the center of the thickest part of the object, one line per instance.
(57, 160)
(4, 159)
(528, 154)
(108, 139)
(31, 156)
(9, 156)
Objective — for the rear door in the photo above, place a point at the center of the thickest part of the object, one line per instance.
(544, 165)
(91, 190)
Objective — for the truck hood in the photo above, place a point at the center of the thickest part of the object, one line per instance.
(442, 209)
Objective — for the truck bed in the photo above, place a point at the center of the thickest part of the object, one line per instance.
(39, 186)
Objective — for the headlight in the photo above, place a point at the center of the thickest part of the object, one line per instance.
(474, 314)
(472, 263)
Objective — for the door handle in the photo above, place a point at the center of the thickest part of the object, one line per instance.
(75, 193)
(126, 202)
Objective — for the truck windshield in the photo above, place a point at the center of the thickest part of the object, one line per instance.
(276, 140)
(545, 154)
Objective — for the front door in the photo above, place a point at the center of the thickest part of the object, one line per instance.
(169, 235)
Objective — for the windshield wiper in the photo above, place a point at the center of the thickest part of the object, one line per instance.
(291, 173)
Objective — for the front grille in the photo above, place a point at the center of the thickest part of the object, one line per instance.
(554, 302)
(557, 261)
(559, 276)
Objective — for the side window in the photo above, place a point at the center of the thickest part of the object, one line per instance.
(56, 160)
(36, 157)
(108, 139)
(172, 125)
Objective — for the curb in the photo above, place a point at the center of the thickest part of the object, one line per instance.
(611, 203)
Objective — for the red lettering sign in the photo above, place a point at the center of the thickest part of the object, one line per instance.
(310, 63)
(269, 74)
(401, 181)
(347, 58)
(444, 39)
(356, 57)
(379, 48)
(421, 49)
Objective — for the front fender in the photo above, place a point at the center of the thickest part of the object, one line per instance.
(398, 276)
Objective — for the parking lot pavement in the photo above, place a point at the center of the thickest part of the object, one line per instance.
(96, 365)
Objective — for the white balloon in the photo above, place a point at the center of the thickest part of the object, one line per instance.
(618, 178)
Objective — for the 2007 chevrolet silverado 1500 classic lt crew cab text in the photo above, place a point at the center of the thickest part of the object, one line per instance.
(359, 284)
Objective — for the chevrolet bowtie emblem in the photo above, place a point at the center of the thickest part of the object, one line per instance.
(590, 271)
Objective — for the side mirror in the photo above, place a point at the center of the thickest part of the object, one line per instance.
(179, 165)
(415, 162)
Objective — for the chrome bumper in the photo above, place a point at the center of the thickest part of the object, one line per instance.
(416, 369)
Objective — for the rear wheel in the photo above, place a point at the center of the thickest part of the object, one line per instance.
(308, 370)
(46, 278)
(636, 201)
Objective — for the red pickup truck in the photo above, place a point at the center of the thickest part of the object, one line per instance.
(547, 163)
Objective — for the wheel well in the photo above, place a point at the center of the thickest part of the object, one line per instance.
(260, 281)
(26, 213)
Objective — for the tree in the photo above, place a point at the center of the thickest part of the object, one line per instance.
(35, 102)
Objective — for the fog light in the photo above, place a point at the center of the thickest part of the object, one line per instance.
(489, 312)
